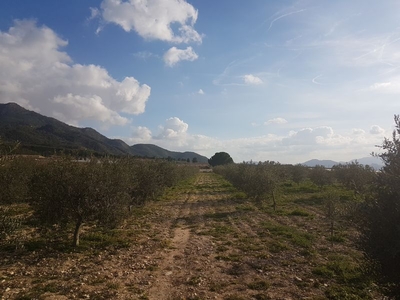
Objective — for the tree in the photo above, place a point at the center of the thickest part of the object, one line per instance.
(220, 158)
(354, 176)
(380, 227)
(320, 176)
(194, 160)
(65, 192)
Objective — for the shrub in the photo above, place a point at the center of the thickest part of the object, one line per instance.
(380, 226)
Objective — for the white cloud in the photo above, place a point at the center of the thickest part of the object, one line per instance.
(390, 87)
(75, 109)
(358, 131)
(140, 135)
(152, 19)
(381, 85)
(293, 147)
(200, 92)
(252, 80)
(276, 121)
(308, 136)
(94, 13)
(174, 128)
(175, 55)
(375, 129)
(38, 75)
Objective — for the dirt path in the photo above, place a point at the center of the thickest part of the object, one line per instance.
(202, 241)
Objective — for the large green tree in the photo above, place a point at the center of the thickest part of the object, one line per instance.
(220, 158)
(380, 230)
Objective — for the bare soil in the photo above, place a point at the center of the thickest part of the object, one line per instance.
(203, 240)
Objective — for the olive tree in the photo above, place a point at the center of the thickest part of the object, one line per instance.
(65, 192)
(380, 229)
(354, 176)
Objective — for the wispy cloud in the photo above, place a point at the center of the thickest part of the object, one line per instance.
(283, 16)
(144, 55)
(276, 121)
(315, 80)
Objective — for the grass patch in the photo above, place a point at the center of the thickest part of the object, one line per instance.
(219, 231)
(297, 238)
(337, 238)
(277, 247)
(299, 213)
(218, 215)
(340, 292)
(230, 257)
(258, 285)
(239, 195)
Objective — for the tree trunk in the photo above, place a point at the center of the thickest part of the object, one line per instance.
(77, 231)
(274, 200)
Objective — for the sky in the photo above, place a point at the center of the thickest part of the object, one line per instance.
(284, 80)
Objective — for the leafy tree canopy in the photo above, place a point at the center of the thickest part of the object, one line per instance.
(220, 158)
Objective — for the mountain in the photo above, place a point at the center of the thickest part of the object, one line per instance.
(150, 150)
(317, 162)
(44, 135)
(38, 134)
(372, 161)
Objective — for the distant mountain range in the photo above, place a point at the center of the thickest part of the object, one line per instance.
(372, 161)
(38, 134)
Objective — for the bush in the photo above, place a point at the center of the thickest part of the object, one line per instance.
(380, 226)
(258, 181)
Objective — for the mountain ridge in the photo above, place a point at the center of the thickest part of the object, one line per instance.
(372, 161)
(39, 134)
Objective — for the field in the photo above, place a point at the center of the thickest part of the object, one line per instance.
(203, 239)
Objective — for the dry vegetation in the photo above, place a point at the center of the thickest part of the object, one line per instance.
(202, 239)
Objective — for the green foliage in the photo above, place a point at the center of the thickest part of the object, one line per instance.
(15, 174)
(8, 222)
(298, 173)
(66, 192)
(220, 158)
(354, 176)
(257, 181)
(320, 176)
(380, 225)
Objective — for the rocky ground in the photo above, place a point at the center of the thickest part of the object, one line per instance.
(203, 240)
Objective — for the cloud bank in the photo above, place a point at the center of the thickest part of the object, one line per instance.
(295, 146)
(37, 74)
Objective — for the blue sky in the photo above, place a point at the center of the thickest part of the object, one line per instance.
(263, 80)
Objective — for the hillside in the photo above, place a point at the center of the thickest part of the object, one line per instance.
(38, 134)
(373, 162)
(150, 150)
